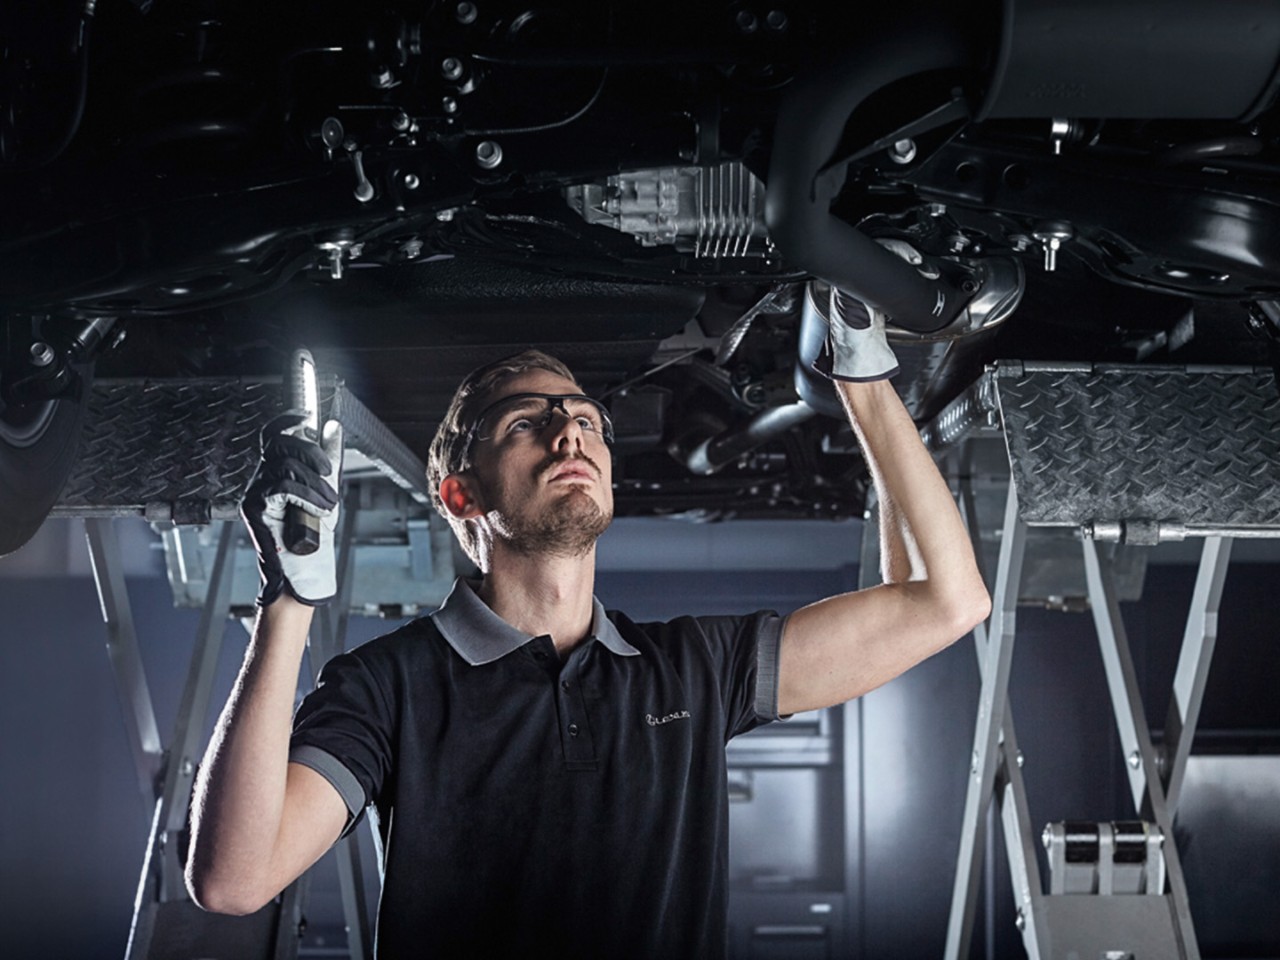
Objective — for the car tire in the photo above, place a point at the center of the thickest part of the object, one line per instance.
(38, 447)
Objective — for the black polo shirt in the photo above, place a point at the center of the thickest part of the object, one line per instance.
(532, 807)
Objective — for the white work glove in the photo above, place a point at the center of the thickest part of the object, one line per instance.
(856, 349)
(294, 470)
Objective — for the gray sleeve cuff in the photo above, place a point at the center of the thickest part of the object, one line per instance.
(333, 770)
(768, 644)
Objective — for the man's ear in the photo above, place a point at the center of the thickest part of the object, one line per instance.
(458, 494)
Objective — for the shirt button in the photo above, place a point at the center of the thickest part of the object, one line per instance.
(564, 685)
(573, 729)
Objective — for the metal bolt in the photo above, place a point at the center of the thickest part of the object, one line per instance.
(746, 21)
(1020, 921)
(1135, 759)
(411, 181)
(903, 151)
(41, 354)
(1019, 760)
(466, 13)
(449, 105)
(451, 68)
(444, 216)
(776, 20)
(412, 249)
(188, 768)
(973, 763)
(384, 79)
(1046, 838)
(331, 133)
(400, 121)
(937, 209)
(488, 154)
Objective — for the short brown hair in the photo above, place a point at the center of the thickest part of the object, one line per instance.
(448, 453)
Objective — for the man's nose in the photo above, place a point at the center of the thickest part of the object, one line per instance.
(563, 429)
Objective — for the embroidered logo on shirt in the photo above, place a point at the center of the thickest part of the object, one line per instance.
(653, 721)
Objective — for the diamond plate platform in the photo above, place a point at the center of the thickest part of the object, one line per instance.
(1193, 446)
(185, 450)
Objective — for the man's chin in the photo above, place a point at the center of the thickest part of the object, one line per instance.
(567, 528)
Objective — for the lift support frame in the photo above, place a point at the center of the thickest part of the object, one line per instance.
(1079, 458)
(1142, 455)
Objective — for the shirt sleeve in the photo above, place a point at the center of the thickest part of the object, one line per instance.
(744, 654)
(343, 729)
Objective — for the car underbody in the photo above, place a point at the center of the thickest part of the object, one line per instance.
(662, 195)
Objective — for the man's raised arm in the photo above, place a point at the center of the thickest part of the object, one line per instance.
(842, 647)
(258, 821)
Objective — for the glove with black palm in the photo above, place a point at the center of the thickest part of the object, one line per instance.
(294, 470)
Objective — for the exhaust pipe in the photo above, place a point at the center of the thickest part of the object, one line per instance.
(803, 182)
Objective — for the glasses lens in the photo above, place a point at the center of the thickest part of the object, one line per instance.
(513, 415)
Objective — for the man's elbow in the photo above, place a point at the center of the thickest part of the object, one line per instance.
(221, 896)
(968, 609)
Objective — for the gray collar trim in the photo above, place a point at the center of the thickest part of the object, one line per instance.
(480, 636)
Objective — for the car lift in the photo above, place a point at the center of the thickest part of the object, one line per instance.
(1135, 455)
(184, 451)
(1127, 454)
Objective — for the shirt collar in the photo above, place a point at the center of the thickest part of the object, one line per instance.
(480, 636)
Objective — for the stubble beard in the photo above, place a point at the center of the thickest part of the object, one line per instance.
(568, 527)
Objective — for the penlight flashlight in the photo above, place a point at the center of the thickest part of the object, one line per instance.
(301, 529)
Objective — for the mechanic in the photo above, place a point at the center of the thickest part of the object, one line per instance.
(548, 778)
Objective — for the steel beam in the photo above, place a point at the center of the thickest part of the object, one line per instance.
(992, 703)
(1135, 737)
(126, 661)
(1193, 665)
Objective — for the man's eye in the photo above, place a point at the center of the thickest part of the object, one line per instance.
(586, 423)
(520, 425)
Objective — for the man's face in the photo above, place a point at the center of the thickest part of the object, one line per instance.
(546, 487)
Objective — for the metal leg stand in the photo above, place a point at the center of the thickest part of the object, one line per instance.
(126, 662)
(166, 924)
(1135, 738)
(1193, 665)
(996, 660)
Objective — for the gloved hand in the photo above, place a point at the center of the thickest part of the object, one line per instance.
(856, 347)
(298, 471)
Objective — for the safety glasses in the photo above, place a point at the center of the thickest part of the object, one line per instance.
(530, 413)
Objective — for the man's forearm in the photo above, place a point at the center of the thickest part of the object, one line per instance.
(920, 525)
(239, 795)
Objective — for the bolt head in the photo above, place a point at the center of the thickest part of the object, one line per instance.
(903, 151)
(400, 121)
(776, 20)
(488, 154)
(411, 181)
(41, 354)
(449, 105)
(466, 13)
(451, 68)
(746, 21)
(331, 133)
(1135, 760)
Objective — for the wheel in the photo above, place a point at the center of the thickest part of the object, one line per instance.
(38, 446)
